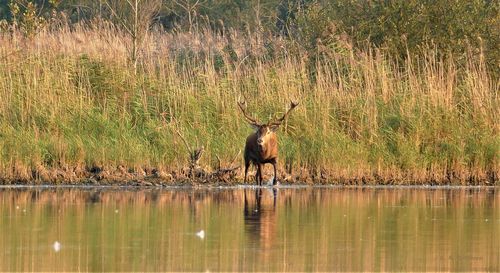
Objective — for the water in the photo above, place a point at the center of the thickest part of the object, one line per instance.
(307, 229)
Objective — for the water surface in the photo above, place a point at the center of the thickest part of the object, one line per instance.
(304, 229)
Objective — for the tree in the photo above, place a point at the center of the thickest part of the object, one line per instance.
(136, 18)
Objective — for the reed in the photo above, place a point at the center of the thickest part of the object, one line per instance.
(71, 100)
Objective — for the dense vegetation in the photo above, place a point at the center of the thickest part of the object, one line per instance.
(452, 27)
(390, 91)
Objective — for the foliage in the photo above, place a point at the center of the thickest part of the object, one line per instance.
(364, 115)
(389, 89)
(450, 26)
(400, 26)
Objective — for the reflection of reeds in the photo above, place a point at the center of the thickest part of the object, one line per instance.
(309, 230)
(70, 101)
(359, 197)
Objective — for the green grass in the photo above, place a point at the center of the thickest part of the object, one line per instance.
(71, 99)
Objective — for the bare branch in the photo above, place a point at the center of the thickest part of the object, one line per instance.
(195, 156)
(218, 162)
(177, 130)
(135, 17)
(181, 5)
(122, 20)
(234, 158)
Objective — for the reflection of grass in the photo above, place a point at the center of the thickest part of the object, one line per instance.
(361, 116)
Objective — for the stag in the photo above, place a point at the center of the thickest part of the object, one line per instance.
(262, 146)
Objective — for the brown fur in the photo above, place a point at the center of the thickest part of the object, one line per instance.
(261, 154)
(262, 146)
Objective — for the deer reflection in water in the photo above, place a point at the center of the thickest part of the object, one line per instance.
(260, 219)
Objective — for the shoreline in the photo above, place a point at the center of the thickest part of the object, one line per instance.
(245, 186)
(198, 177)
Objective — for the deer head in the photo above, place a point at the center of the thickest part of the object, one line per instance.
(264, 131)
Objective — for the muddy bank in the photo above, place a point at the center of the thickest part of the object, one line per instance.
(124, 176)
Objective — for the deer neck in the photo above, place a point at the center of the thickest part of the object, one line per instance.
(266, 149)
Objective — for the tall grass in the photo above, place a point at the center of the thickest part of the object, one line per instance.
(70, 100)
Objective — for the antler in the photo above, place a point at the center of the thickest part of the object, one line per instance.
(279, 121)
(251, 120)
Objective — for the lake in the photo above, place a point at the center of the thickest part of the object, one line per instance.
(250, 229)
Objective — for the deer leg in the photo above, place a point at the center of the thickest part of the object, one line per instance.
(275, 193)
(260, 174)
(245, 208)
(257, 174)
(274, 178)
(258, 197)
(247, 164)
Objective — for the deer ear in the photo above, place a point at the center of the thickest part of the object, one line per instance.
(274, 128)
(255, 127)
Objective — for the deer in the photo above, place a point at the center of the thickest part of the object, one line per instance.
(261, 146)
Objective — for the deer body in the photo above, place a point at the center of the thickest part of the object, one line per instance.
(262, 146)
(260, 155)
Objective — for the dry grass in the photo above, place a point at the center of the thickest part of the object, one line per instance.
(70, 101)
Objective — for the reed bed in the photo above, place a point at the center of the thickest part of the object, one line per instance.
(71, 102)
